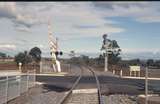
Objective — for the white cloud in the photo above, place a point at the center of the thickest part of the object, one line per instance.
(11, 11)
(40, 46)
(146, 12)
(65, 17)
(23, 29)
(7, 46)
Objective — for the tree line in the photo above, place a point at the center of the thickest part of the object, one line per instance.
(113, 59)
(99, 61)
(4, 55)
(33, 56)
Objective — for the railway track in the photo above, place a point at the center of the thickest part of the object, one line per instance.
(84, 97)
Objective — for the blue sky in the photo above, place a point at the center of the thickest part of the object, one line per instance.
(79, 26)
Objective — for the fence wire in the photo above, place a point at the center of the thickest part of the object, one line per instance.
(13, 86)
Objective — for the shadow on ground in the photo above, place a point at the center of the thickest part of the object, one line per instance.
(49, 88)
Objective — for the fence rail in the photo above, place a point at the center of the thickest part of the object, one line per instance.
(12, 86)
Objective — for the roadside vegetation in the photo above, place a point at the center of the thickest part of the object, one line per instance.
(114, 59)
(33, 56)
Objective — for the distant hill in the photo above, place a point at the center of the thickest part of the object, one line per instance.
(142, 55)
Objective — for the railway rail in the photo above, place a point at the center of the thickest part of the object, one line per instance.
(69, 96)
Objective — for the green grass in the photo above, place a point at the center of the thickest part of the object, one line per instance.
(8, 62)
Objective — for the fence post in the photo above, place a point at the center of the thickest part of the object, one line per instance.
(139, 73)
(130, 73)
(27, 81)
(121, 73)
(41, 66)
(19, 85)
(113, 71)
(69, 68)
(146, 86)
(34, 77)
(6, 89)
(20, 67)
(134, 73)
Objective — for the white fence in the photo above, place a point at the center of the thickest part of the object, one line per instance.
(13, 86)
(46, 67)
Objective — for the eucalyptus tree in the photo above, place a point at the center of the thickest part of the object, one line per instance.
(35, 54)
(112, 50)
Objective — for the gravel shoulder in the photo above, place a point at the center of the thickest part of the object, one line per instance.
(38, 95)
(120, 99)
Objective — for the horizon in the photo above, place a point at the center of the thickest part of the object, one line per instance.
(129, 56)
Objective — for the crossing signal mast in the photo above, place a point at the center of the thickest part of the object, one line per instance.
(105, 46)
(53, 43)
(108, 47)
